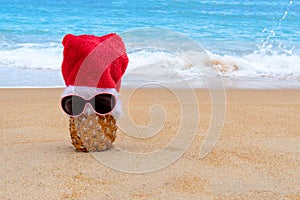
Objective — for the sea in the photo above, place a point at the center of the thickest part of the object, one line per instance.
(243, 43)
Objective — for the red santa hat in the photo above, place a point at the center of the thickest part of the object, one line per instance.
(92, 64)
(93, 61)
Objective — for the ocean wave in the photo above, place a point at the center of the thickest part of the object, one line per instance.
(257, 65)
(32, 56)
(157, 64)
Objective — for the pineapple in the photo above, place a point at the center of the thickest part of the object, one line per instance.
(91, 65)
(92, 132)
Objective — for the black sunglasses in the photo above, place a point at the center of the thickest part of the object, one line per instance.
(74, 105)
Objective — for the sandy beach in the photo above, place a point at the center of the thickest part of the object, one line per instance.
(256, 157)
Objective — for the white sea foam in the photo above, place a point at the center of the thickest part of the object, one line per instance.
(162, 65)
(159, 65)
(259, 65)
(32, 56)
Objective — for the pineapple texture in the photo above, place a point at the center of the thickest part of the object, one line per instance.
(92, 132)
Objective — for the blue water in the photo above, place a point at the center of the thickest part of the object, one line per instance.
(236, 32)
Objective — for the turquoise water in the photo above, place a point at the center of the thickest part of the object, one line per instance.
(261, 37)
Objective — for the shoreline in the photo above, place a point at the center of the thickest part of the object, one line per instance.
(211, 83)
(53, 79)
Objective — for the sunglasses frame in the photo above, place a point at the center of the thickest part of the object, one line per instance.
(88, 99)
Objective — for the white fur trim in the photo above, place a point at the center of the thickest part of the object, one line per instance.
(88, 92)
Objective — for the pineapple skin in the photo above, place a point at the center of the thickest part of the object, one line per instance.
(92, 132)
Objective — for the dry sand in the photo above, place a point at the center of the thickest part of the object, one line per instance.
(256, 157)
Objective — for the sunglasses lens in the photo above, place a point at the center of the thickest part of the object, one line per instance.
(104, 103)
(73, 105)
